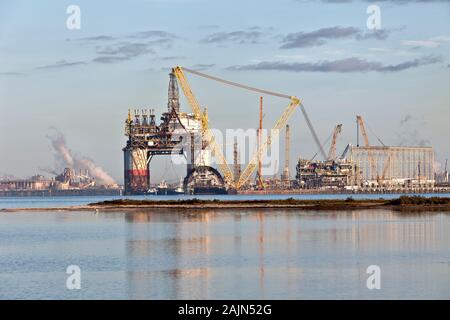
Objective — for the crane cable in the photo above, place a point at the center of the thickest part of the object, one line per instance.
(276, 94)
(243, 86)
(313, 132)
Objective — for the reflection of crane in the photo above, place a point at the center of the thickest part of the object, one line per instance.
(221, 162)
(332, 152)
(361, 127)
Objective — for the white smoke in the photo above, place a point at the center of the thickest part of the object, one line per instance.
(65, 158)
(96, 171)
(408, 134)
(63, 155)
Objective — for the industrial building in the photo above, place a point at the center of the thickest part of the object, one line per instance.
(387, 166)
(325, 174)
(69, 182)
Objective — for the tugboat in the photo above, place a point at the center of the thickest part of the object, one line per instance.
(153, 191)
(164, 190)
(180, 188)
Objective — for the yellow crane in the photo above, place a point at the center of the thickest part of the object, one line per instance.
(215, 148)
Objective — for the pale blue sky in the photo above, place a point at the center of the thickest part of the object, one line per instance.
(83, 81)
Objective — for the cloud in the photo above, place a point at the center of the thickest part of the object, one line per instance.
(61, 64)
(122, 52)
(340, 66)
(203, 66)
(240, 37)
(153, 34)
(97, 38)
(12, 74)
(421, 43)
(428, 43)
(316, 38)
(408, 133)
(113, 49)
(406, 119)
(172, 58)
(319, 37)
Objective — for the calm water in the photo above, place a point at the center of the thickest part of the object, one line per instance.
(46, 202)
(227, 254)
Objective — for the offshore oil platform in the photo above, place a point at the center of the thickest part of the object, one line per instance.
(177, 133)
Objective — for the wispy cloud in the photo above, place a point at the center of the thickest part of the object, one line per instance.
(96, 38)
(172, 58)
(321, 36)
(113, 49)
(427, 43)
(203, 66)
(61, 64)
(248, 36)
(122, 52)
(12, 74)
(339, 66)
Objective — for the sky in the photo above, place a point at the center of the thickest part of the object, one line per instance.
(81, 82)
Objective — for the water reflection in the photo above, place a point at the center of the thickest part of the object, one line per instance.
(276, 254)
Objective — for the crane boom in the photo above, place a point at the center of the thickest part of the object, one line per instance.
(248, 171)
(362, 127)
(332, 153)
(215, 148)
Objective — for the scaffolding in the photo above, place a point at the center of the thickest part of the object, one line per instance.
(387, 165)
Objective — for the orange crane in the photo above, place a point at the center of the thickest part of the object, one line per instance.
(209, 136)
(362, 128)
(259, 180)
(385, 169)
(332, 152)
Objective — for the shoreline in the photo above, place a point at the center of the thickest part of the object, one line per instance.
(403, 203)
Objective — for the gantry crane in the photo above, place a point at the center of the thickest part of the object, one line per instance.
(209, 136)
(332, 153)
